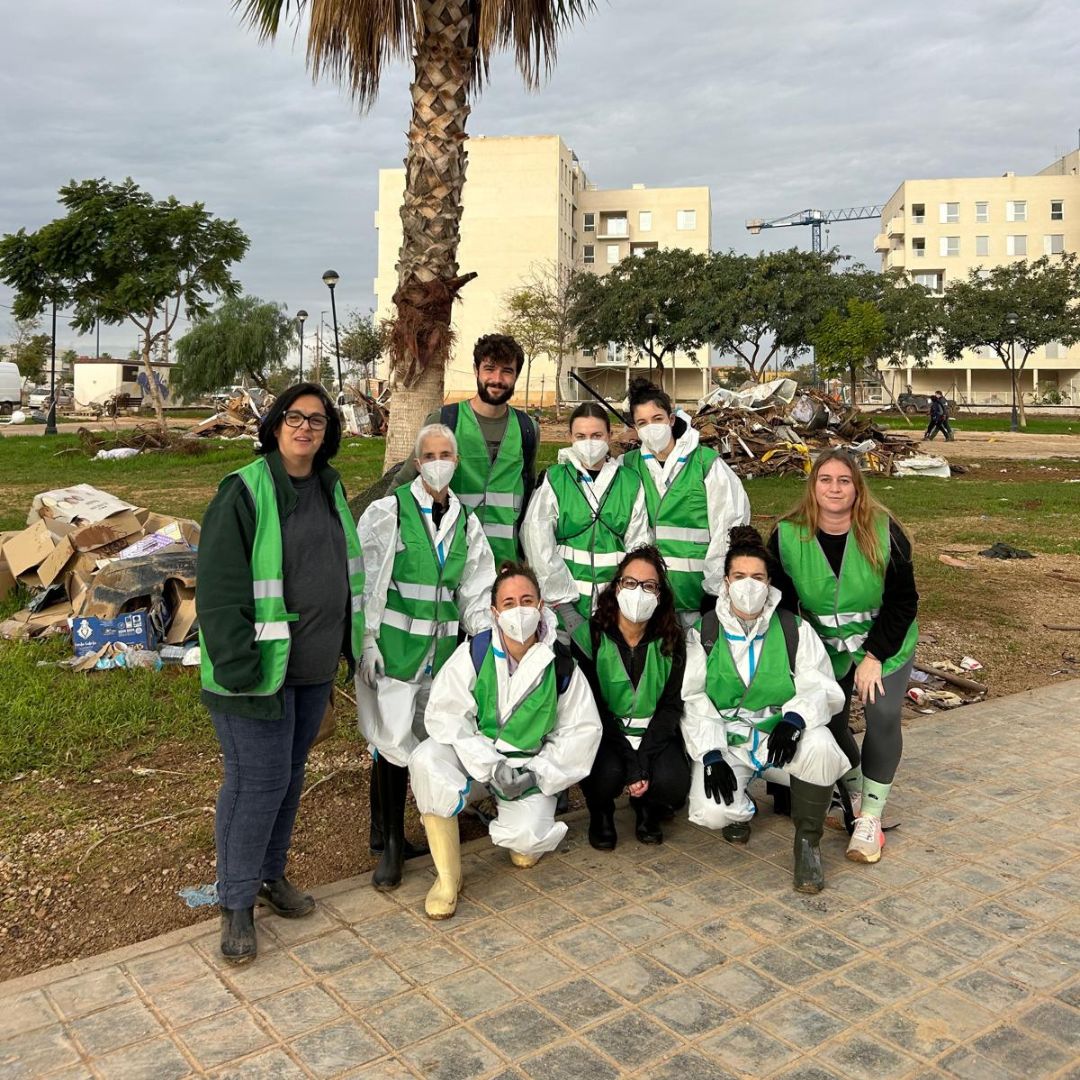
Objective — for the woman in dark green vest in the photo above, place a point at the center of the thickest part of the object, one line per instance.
(846, 565)
(633, 653)
(280, 599)
(583, 517)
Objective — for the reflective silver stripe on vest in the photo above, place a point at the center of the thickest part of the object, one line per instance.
(357, 605)
(498, 532)
(852, 644)
(271, 631)
(505, 499)
(633, 740)
(420, 627)
(578, 555)
(692, 536)
(266, 588)
(356, 566)
(409, 591)
(686, 566)
(844, 618)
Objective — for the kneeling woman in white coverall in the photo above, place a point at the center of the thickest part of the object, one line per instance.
(769, 694)
(509, 712)
(429, 570)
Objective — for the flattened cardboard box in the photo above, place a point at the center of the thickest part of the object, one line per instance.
(28, 549)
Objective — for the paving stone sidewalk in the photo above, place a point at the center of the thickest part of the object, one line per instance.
(958, 955)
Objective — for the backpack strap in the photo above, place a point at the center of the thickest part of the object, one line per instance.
(528, 457)
(564, 668)
(789, 623)
(478, 648)
(448, 415)
(710, 630)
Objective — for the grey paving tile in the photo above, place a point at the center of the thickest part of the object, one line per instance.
(844, 999)
(499, 892)
(37, 1052)
(689, 1011)
(1060, 942)
(578, 1002)
(571, 1061)
(808, 1071)
(964, 938)
(801, 1023)
(990, 990)
(773, 921)
(824, 949)
(23, 1013)
(634, 977)
(457, 1055)
(1018, 1051)
(159, 1059)
(471, 992)
(541, 918)
(784, 965)
(530, 969)
(686, 1066)
(296, 1011)
(745, 1049)
(406, 1020)
(729, 938)
(387, 1068)
(965, 1064)
(591, 898)
(886, 983)
(332, 952)
(676, 869)
(1070, 994)
(740, 987)
(685, 954)
(192, 1001)
(367, 984)
(221, 1038)
(863, 1057)
(1058, 1022)
(553, 874)
(465, 914)
(95, 990)
(931, 961)
(631, 1039)
(360, 904)
(269, 1065)
(430, 962)
(109, 1029)
(681, 908)
(292, 931)
(331, 1050)
(1033, 967)
(586, 946)
(170, 967)
(392, 934)
(266, 976)
(519, 1029)
(1003, 920)
(488, 938)
(632, 926)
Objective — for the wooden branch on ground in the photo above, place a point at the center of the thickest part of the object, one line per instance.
(141, 825)
(1061, 626)
(949, 677)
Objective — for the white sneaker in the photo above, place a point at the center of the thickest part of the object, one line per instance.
(867, 840)
(834, 819)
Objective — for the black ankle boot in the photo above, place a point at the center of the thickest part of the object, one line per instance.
(602, 835)
(238, 944)
(647, 829)
(285, 899)
(393, 786)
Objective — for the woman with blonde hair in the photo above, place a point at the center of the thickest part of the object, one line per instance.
(845, 564)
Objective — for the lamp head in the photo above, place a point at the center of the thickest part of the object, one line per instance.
(301, 315)
(331, 278)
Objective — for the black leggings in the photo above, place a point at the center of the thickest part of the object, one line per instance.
(669, 782)
(883, 742)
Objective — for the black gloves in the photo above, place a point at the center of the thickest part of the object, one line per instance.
(784, 740)
(720, 782)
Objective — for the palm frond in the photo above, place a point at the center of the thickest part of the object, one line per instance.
(531, 28)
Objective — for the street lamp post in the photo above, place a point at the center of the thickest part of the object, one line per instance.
(301, 315)
(330, 279)
(50, 423)
(1012, 319)
(650, 322)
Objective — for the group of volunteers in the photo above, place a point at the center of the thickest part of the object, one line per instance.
(613, 623)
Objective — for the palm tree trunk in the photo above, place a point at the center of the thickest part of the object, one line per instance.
(428, 279)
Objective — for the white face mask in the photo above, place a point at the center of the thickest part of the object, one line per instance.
(655, 437)
(437, 474)
(519, 623)
(636, 604)
(748, 594)
(590, 452)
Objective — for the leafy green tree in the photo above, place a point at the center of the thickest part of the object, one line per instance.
(361, 343)
(243, 338)
(1014, 309)
(67, 362)
(847, 342)
(526, 322)
(121, 256)
(30, 348)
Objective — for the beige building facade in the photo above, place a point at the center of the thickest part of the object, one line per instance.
(941, 230)
(528, 209)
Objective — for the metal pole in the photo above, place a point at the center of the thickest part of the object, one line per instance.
(301, 379)
(97, 347)
(50, 424)
(337, 346)
(1014, 418)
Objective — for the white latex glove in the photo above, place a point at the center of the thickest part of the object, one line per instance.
(371, 664)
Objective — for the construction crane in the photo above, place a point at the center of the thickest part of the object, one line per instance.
(815, 219)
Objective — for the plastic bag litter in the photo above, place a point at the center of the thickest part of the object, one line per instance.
(1002, 550)
(116, 454)
(197, 896)
(922, 466)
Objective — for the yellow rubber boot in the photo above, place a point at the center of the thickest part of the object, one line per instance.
(445, 843)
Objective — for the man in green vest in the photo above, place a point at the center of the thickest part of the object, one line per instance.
(496, 446)
(429, 573)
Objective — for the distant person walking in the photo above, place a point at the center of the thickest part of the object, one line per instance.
(939, 418)
(279, 597)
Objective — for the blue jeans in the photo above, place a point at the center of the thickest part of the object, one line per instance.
(257, 804)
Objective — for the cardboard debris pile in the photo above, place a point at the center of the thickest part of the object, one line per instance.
(107, 572)
(238, 419)
(774, 429)
(365, 415)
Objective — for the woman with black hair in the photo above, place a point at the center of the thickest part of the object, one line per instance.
(585, 514)
(693, 497)
(633, 653)
(279, 598)
(769, 694)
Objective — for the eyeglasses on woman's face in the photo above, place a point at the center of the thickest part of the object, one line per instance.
(652, 586)
(294, 418)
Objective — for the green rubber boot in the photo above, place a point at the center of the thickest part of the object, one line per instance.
(809, 805)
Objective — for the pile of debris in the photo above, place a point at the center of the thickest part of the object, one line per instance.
(776, 429)
(238, 418)
(109, 573)
(363, 414)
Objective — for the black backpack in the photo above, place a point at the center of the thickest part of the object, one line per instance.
(564, 662)
(789, 623)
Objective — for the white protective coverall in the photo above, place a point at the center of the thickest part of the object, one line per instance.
(724, 494)
(818, 759)
(557, 585)
(448, 770)
(391, 716)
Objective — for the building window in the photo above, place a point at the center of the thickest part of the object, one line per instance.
(129, 373)
(588, 253)
(950, 245)
(1055, 350)
(644, 220)
(982, 245)
(918, 246)
(931, 281)
(918, 213)
(590, 222)
(1016, 210)
(686, 219)
(1015, 245)
(612, 254)
(1054, 244)
(616, 225)
(1057, 209)
(948, 213)
(982, 212)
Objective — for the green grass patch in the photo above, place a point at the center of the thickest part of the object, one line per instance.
(963, 421)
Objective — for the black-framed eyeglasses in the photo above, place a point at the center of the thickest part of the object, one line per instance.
(651, 587)
(316, 421)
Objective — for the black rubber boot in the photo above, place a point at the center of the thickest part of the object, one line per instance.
(602, 835)
(393, 785)
(647, 829)
(737, 832)
(238, 944)
(781, 798)
(285, 899)
(375, 834)
(809, 805)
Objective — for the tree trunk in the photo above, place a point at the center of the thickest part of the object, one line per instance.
(152, 387)
(428, 281)
(528, 379)
(852, 370)
(558, 385)
(1021, 416)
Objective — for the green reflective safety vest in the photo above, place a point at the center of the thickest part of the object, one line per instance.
(421, 606)
(771, 683)
(530, 721)
(493, 490)
(633, 707)
(841, 609)
(272, 620)
(590, 541)
(680, 522)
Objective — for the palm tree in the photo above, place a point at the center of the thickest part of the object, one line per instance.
(450, 43)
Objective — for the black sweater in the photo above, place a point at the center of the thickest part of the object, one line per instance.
(900, 599)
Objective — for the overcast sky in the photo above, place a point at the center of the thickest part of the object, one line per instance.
(776, 105)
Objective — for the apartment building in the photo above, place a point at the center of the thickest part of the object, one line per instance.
(940, 230)
(528, 205)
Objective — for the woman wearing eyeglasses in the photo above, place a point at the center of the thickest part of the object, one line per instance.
(632, 651)
(279, 597)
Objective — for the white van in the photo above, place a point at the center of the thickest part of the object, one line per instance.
(10, 388)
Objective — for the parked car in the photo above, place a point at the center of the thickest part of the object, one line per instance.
(10, 388)
(39, 397)
(917, 403)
